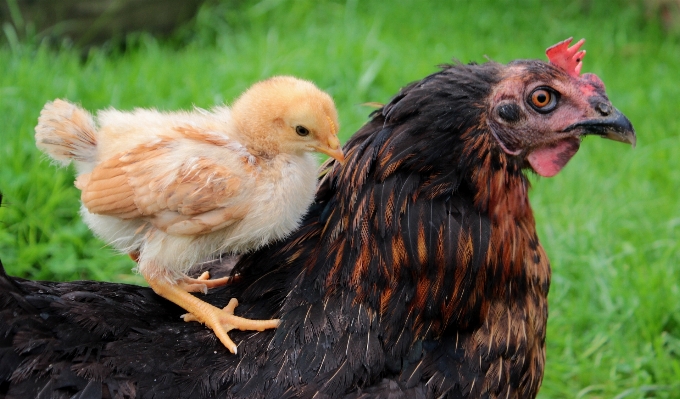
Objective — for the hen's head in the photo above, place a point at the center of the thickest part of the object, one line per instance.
(539, 112)
(497, 118)
(284, 114)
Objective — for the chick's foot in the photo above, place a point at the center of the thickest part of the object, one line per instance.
(221, 321)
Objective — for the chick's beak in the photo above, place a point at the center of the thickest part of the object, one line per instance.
(332, 149)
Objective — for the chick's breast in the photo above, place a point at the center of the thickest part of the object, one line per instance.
(284, 190)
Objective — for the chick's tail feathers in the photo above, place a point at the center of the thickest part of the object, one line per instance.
(66, 133)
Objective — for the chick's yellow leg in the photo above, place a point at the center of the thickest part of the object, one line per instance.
(219, 320)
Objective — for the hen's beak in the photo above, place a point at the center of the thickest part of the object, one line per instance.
(614, 126)
(332, 149)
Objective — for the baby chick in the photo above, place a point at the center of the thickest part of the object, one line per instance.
(172, 189)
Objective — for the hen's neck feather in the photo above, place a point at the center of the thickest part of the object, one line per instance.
(428, 211)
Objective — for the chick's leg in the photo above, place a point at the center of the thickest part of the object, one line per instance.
(219, 320)
(203, 282)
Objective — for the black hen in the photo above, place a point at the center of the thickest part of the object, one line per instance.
(417, 272)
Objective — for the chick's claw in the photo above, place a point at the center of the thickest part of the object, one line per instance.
(221, 321)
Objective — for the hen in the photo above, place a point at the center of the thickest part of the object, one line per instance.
(175, 188)
(417, 272)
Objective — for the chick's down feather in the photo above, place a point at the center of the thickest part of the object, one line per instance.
(173, 189)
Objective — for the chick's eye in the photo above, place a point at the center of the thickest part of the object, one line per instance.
(301, 131)
(543, 100)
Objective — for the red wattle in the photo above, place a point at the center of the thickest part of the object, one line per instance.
(548, 160)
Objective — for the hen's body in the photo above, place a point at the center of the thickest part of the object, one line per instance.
(417, 273)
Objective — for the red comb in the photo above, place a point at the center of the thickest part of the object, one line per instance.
(567, 58)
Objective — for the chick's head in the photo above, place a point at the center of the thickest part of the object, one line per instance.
(288, 115)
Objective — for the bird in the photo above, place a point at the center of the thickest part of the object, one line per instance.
(174, 188)
(416, 273)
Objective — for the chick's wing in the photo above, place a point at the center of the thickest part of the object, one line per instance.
(169, 183)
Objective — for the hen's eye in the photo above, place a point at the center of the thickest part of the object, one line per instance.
(543, 100)
(301, 130)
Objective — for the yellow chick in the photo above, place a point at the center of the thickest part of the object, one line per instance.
(173, 189)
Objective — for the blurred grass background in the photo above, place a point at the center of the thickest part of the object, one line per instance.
(610, 222)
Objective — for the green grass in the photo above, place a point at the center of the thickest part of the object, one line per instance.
(610, 222)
